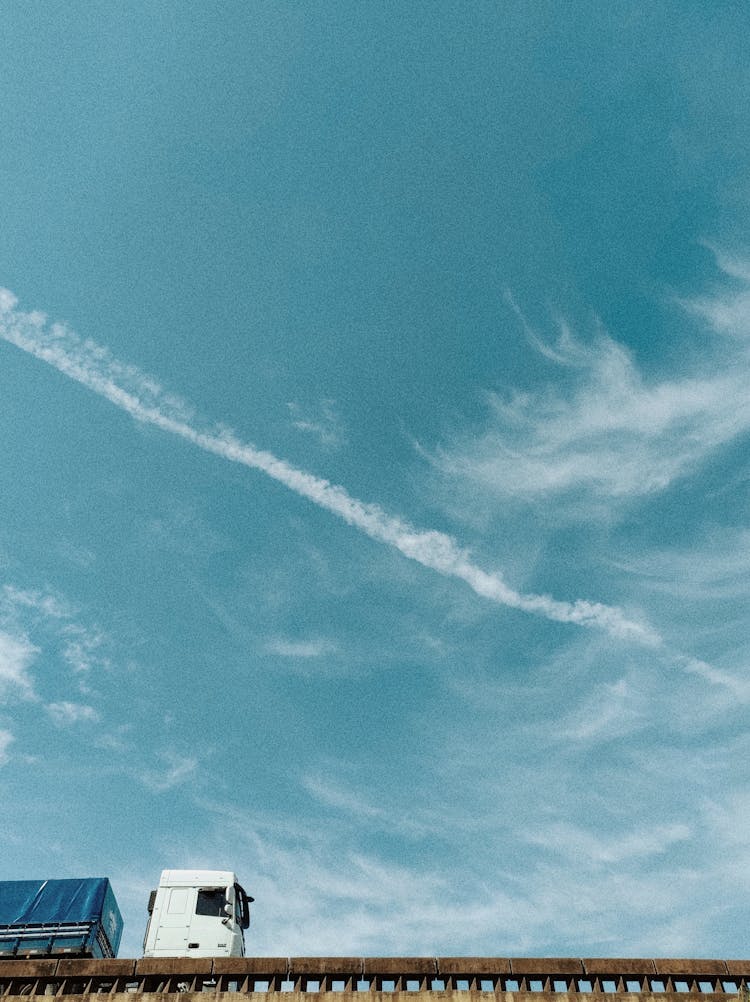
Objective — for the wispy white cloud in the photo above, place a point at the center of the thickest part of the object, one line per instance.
(66, 713)
(611, 432)
(324, 422)
(6, 738)
(356, 807)
(39, 613)
(716, 567)
(533, 848)
(16, 657)
(575, 891)
(596, 850)
(285, 648)
(340, 797)
(144, 399)
(316, 894)
(175, 770)
(117, 739)
(82, 648)
(728, 309)
(703, 590)
(737, 688)
(49, 606)
(610, 711)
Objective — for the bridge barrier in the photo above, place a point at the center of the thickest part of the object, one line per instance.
(550, 977)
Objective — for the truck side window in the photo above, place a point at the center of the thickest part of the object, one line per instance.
(211, 901)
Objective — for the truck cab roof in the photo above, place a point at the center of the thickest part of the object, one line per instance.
(197, 878)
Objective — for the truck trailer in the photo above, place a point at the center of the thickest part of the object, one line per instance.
(59, 918)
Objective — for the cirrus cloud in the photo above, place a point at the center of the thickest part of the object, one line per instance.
(16, 657)
(65, 713)
(5, 741)
(612, 432)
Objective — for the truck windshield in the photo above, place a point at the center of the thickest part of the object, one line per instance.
(211, 901)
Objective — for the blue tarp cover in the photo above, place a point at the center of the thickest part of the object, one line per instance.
(36, 902)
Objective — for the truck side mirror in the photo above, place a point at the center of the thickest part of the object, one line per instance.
(243, 906)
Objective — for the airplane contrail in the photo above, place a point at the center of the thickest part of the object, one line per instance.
(145, 400)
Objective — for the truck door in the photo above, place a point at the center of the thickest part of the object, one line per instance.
(211, 925)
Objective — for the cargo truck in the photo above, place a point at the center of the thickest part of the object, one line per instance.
(197, 913)
(59, 918)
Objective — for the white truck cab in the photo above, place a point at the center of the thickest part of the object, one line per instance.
(197, 913)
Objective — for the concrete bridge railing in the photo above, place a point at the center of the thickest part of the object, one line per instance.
(538, 976)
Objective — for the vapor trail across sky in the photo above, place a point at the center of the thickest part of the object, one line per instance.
(144, 399)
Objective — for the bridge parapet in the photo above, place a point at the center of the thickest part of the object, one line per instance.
(554, 979)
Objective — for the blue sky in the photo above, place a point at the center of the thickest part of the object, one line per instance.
(373, 507)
